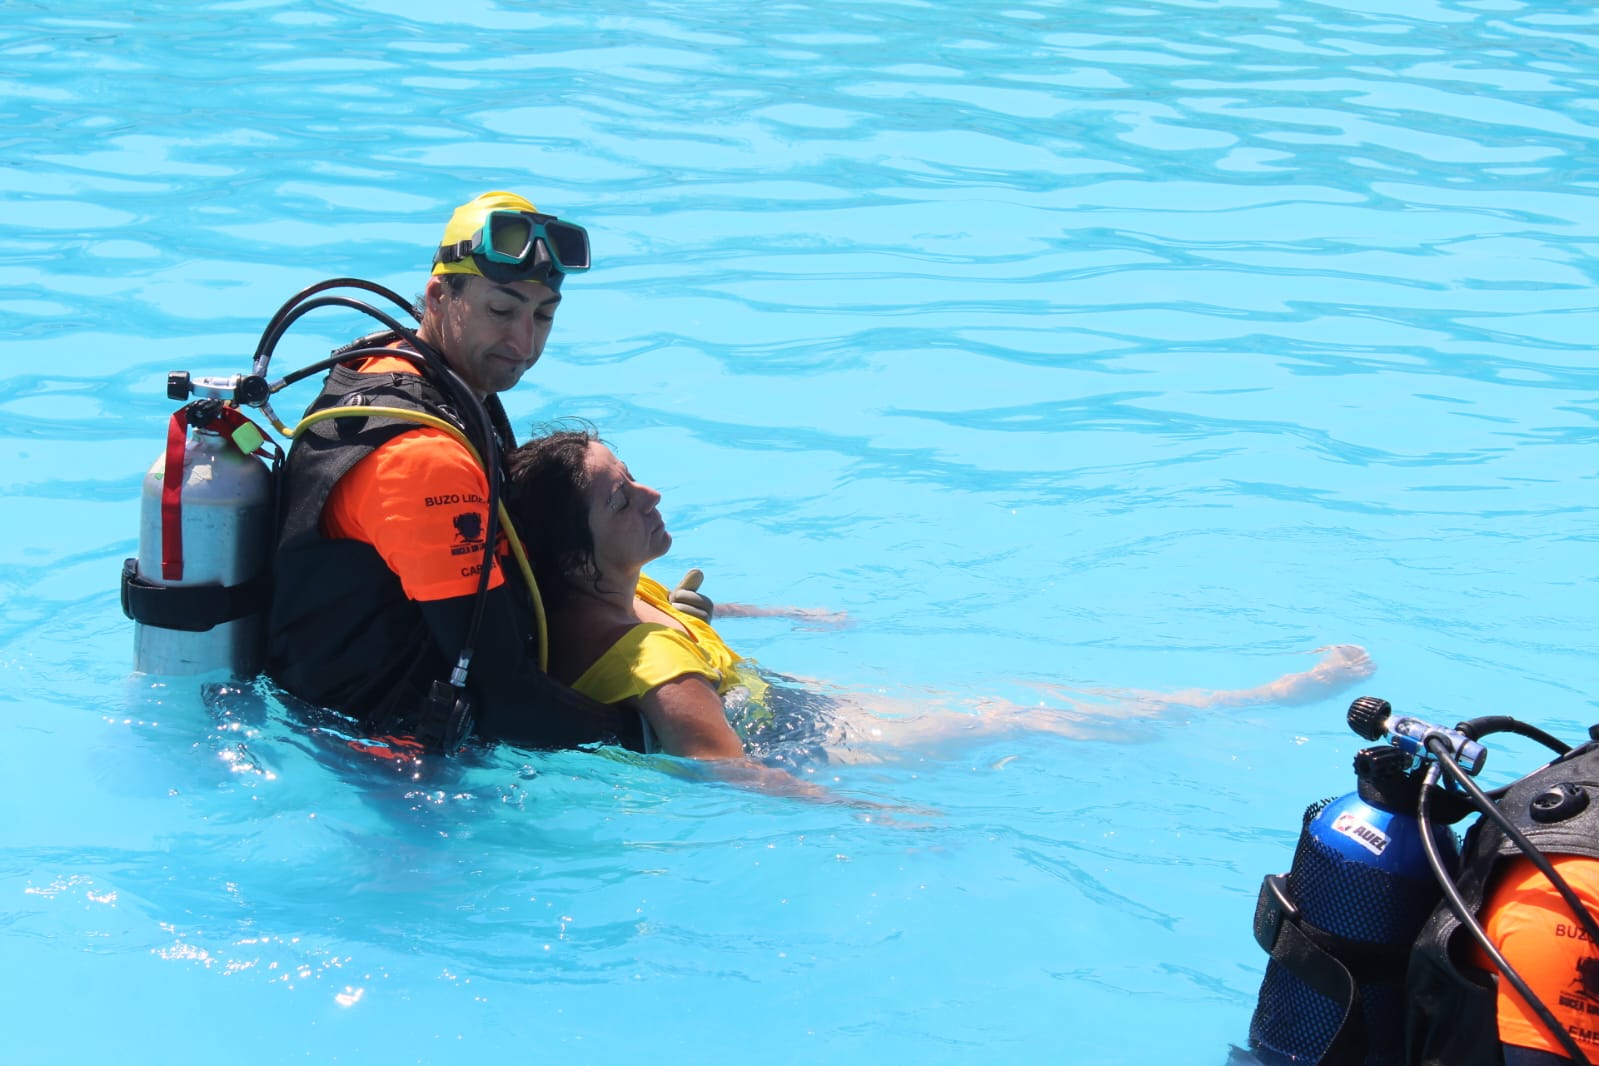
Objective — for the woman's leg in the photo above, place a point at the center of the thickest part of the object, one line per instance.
(877, 721)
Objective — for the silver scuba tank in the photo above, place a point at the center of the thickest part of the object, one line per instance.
(197, 591)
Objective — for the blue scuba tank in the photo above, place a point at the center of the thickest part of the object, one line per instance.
(1340, 923)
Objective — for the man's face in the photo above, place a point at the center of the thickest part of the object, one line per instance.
(490, 334)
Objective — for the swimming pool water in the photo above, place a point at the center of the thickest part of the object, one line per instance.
(1141, 345)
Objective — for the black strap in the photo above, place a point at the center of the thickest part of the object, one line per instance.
(190, 608)
(1299, 947)
(453, 253)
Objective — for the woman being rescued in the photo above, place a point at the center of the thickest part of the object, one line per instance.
(590, 527)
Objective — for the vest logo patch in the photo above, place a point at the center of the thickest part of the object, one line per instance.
(469, 526)
(1369, 837)
(1582, 999)
(469, 532)
(1588, 980)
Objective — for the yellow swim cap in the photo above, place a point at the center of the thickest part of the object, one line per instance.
(468, 219)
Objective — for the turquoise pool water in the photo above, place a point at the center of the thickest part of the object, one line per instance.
(1141, 345)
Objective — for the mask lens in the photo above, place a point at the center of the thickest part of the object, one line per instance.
(510, 237)
(568, 243)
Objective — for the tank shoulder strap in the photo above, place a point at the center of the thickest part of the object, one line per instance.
(1557, 806)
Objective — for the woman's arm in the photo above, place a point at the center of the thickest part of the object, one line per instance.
(812, 617)
(688, 598)
(688, 719)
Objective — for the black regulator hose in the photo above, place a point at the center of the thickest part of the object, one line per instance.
(493, 464)
(286, 319)
(1446, 762)
(275, 325)
(1477, 728)
(345, 355)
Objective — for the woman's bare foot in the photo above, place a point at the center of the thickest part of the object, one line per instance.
(1343, 665)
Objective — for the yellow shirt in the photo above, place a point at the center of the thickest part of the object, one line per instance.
(651, 654)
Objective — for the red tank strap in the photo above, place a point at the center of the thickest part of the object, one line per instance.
(240, 432)
(172, 499)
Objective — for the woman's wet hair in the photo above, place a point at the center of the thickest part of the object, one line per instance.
(546, 499)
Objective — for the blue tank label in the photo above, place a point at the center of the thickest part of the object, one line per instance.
(1366, 835)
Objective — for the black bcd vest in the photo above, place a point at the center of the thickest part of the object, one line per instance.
(1452, 1010)
(342, 634)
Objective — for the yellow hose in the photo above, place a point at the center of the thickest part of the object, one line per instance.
(422, 418)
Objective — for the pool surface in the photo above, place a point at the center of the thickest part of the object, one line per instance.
(1065, 347)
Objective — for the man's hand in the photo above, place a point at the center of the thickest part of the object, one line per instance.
(688, 598)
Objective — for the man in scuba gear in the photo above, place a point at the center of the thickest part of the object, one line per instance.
(1456, 1015)
(389, 602)
(1391, 946)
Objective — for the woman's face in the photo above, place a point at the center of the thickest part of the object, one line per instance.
(628, 531)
